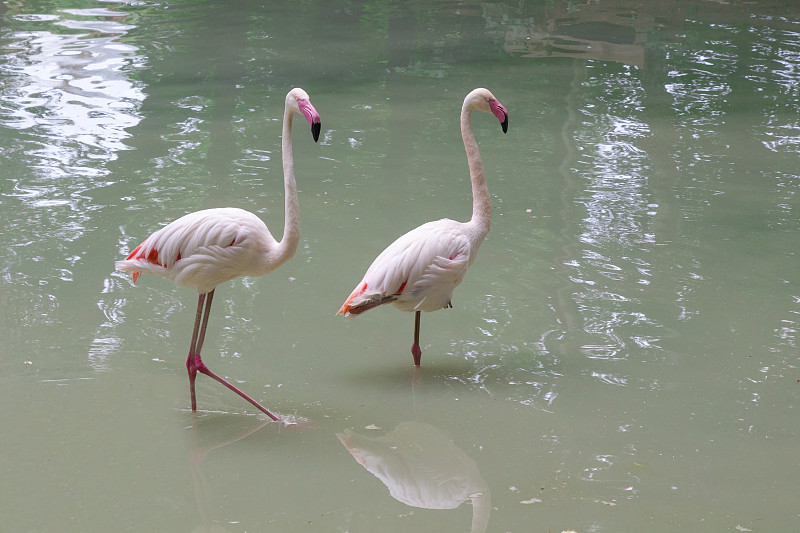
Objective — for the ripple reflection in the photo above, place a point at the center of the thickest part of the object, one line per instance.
(69, 83)
(67, 102)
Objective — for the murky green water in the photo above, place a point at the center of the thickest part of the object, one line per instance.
(622, 356)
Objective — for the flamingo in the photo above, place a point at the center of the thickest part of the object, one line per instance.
(419, 271)
(203, 249)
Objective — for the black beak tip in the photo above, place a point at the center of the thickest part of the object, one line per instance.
(315, 129)
(504, 124)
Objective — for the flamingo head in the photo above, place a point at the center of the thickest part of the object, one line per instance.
(303, 106)
(484, 100)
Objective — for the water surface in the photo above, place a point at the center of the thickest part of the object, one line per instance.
(621, 356)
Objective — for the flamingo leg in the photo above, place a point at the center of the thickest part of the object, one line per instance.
(191, 366)
(202, 336)
(197, 363)
(416, 352)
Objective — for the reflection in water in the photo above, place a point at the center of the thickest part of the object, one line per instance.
(654, 284)
(68, 82)
(616, 230)
(422, 468)
(621, 41)
(68, 95)
(658, 88)
(197, 456)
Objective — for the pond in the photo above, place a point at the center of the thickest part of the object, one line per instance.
(622, 354)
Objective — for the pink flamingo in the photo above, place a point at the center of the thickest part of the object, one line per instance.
(206, 248)
(419, 271)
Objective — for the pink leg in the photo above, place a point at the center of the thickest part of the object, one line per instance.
(203, 369)
(191, 368)
(416, 352)
(198, 365)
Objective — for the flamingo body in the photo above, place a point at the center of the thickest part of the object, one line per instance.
(204, 249)
(420, 270)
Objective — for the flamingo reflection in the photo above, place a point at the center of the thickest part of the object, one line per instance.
(421, 467)
(197, 456)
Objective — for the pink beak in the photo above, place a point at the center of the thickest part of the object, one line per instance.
(500, 112)
(312, 117)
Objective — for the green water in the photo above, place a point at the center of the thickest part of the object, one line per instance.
(622, 355)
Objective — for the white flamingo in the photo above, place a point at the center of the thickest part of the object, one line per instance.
(209, 247)
(419, 271)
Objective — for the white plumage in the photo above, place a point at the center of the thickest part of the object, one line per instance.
(203, 249)
(419, 271)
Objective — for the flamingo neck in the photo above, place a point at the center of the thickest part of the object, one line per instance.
(291, 227)
(481, 201)
(481, 507)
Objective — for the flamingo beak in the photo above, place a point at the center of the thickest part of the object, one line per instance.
(312, 117)
(500, 112)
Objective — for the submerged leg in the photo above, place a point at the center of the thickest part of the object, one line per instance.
(201, 367)
(415, 350)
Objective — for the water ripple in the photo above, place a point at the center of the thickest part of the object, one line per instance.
(67, 102)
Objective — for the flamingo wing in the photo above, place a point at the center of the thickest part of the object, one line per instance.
(417, 272)
(200, 250)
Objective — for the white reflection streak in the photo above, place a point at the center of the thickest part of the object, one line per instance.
(615, 228)
(74, 87)
(69, 91)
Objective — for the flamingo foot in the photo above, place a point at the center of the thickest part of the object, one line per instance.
(416, 352)
(203, 369)
(191, 368)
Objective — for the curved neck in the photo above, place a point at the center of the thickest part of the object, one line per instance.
(291, 227)
(481, 507)
(481, 201)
